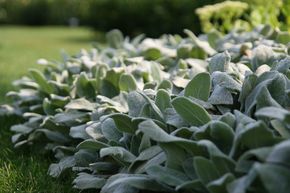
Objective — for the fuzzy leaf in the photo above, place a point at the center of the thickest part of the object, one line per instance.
(166, 175)
(190, 111)
(123, 123)
(39, 78)
(199, 87)
(162, 100)
(127, 83)
(88, 181)
(119, 152)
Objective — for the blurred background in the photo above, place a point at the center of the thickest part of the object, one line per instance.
(152, 17)
(33, 29)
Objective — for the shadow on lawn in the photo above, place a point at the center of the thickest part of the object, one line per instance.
(25, 170)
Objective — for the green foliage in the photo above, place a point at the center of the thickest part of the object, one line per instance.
(215, 123)
(222, 16)
(286, 10)
(243, 14)
(107, 14)
(266, 12)
(38, 12)
(128, 15)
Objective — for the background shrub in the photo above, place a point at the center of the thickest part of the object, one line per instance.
(153, 19)
(150, 17)
(130, 16)
(222, 16)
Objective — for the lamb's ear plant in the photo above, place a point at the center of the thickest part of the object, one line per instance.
(195, 114)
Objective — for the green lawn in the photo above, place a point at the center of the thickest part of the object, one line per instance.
(21, 47)
(24, 171)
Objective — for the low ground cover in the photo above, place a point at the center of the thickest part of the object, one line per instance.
(194, 114)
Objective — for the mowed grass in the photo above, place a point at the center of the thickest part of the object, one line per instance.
(21, 47)
(25, 170)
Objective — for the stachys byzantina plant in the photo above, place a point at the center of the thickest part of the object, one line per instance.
(195, 114)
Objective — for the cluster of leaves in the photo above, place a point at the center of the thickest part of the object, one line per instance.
(244, 14)
(196, 114)
(229, 12)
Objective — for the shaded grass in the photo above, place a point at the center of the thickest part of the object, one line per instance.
(25, 170)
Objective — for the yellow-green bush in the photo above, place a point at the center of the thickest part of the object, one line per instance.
(286, 12)
(244, 14)
(223, 16)
(264, 12)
